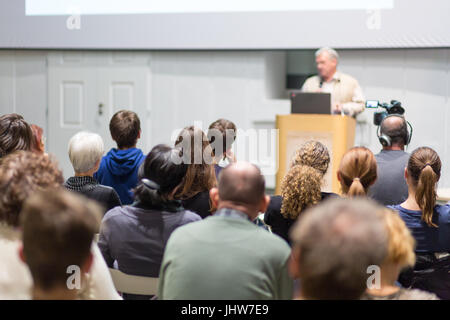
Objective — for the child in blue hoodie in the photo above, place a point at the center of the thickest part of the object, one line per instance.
(119, 168)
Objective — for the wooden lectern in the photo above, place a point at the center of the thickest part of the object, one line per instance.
(336, 132)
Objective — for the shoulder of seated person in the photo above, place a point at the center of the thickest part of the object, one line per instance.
(275, 202)
(444, 209)
(99, 186)
(325, 195)
(114, 213)
(272, 241)
(416, 294)
(191, 216)
(105, 188)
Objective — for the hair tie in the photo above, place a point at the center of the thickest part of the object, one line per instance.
(356, 179)
(426, 164)
(150, 184)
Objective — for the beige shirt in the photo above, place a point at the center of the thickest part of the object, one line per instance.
(344, 90)
(16, 281)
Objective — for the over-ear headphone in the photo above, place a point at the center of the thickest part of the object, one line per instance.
(385, 140)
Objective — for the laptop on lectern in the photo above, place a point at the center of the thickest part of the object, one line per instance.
(312, 103)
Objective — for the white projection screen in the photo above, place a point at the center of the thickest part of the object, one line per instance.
(223, 24)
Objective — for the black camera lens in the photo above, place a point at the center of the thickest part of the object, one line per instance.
(378, 117)
(396, 110)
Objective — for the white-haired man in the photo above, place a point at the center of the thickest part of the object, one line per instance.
(346, 94)
(85, 152)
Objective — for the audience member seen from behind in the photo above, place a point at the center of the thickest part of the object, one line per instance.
(15, 134)
(357, 171)
(219, 257)
(85, 153)
(300, 188)
(200, 177)
(400, 254)
(38, 144)
(135, 236)
(390, 187)
(429, 224)
(334, 243)
(23, 173)
(221, 135)
(119, 168)
(57, 232)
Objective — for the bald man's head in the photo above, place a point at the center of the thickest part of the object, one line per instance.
(395, 128)
(241, 183)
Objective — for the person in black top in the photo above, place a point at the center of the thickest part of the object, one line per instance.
(85, 153)
(200, 176)
(300, 188)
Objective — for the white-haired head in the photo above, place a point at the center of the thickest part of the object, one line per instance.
(85, 149)
(331, 52)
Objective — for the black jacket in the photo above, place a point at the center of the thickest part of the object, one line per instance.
(429, 274)
(89, 187)
(198, 204)
(278, 223)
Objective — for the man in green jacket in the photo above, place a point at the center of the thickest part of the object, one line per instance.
(226, 256)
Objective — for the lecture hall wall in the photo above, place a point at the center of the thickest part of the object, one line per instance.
(247, 87)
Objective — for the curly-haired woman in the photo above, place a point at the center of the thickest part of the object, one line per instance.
(22, 173)
(300, 188)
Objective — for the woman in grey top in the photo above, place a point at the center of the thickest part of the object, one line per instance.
(135, 236)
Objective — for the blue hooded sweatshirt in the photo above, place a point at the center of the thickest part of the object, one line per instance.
(119, 170)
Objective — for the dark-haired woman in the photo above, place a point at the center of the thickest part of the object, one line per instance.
(15, 134)
(429, 224)
(200, 175)
(135, 236)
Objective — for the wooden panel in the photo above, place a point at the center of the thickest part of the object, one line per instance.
(337, 133)
(296, 138)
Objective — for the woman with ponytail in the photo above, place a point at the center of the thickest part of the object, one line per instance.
(357, 171)
(429, 224)
(135, 236)
(300, 188)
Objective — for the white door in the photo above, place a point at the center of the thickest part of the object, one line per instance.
(86, 89)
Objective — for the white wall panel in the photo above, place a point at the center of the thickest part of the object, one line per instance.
(185, 86)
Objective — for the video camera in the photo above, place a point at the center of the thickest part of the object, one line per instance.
(395, 107)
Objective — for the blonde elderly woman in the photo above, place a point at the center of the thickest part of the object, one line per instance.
(85, 152)
(400, 255)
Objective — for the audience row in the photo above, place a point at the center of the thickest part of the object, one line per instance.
(195, 224)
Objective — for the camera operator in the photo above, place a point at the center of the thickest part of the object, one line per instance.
(390, 187)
